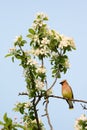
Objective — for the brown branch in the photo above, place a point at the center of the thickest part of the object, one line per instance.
(84, 107)
(47, 114)
(75, 100)
(36, 114)
(52, 84)
(23, 93)
(54, 96)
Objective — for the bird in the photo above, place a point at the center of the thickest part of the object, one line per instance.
(67, 93)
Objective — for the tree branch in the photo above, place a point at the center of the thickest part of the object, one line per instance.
(23, 93)
(47, 114)
(54, 96)
(36, 114)
(76, 100)
(52, 84)
(84, 107)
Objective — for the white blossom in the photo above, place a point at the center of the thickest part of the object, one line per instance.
(27, 105)
(66, 41)
(31, 62)
(83, 117)
(27, 52)
(36, 38)
(12, 50)
(63, 42)
(17, 38)
(41, 15)
(39, 20)
(43, 51)
(45, 41)
(50, 32)
(39, 84)
(38, 51)
(78, 126)
(41, 70)
(54, 54)
(57, 36)
(72, 43)
(67, 64)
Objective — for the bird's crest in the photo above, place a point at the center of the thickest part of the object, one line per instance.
(62, 81)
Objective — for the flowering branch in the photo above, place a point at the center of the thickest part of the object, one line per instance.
(45, 43)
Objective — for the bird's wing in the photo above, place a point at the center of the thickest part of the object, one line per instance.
(71, 92)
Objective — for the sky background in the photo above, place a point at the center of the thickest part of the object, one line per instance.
(68, 18)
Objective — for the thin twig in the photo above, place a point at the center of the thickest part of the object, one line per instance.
(23, 93)
(47, 114)
(84, 107)
(52, 84)
(76, 100)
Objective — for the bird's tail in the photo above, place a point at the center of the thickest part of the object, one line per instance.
(70, 104)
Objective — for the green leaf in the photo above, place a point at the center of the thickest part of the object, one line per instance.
(31, 31)
(8, 55)
(29, 35)
(23, 42)
(1, 123)
(13, 59)
(5, 117)
(45, 18)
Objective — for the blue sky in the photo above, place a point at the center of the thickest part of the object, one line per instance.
(67, 17)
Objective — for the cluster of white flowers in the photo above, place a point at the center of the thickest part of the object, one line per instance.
(78, 126)
(17, 38)
(41, 69)
(54, 54)
(41, 16)
(39, 84)
(39, 20)
(31, 62)
(26, 72)
(45, 41)
(66, 41)
(40, 51)
(67, 64)
(28, 104)
(12, 50)
(27, 52)
(36, 38)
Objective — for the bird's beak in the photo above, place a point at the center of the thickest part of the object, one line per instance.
(60, 83)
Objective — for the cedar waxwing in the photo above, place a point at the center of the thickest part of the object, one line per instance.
(67, 92)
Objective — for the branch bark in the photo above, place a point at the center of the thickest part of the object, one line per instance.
(54, 96)
(75, 100)
(47, 114)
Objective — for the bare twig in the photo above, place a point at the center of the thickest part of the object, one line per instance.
(23, 93)
(84, 106)
(52, 84)
(76, 100)
(47, 114)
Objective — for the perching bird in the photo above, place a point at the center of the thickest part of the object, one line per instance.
(67, 92)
